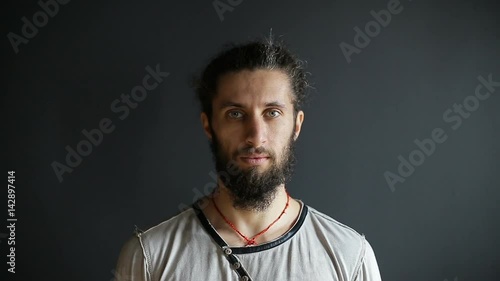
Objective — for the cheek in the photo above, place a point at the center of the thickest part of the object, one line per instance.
(284, 143)
(229, 145)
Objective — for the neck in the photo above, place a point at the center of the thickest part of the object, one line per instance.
(251, 222)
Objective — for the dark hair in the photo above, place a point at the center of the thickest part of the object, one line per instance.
(258, 54)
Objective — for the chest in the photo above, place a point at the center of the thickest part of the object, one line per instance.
(291, 264)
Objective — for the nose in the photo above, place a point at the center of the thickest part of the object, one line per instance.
(256, 131)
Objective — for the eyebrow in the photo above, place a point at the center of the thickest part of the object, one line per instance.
(235, 104)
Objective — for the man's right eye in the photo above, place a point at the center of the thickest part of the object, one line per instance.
(235, 114)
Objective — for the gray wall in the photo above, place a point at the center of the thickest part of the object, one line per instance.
(438, 222)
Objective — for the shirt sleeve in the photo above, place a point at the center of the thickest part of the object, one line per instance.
(368, 270)
(132, 264)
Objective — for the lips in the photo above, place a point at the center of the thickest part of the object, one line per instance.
(255, 159)
(255, 156)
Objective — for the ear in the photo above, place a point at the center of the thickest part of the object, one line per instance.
(206, 125)
(298, 124)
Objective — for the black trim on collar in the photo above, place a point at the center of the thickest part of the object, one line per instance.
(253, 249)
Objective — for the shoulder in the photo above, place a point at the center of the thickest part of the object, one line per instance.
(346, 244)
(169, 228)
(159, 236)
(333, 228)
(144, 250)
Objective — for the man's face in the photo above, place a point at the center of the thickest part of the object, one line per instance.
(252, 134)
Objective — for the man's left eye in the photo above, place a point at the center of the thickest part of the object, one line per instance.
(274, 113)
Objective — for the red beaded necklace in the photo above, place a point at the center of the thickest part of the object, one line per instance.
(251, 241)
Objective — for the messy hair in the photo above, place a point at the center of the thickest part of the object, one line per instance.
(257, 54)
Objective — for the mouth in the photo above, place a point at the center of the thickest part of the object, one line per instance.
(254, 160)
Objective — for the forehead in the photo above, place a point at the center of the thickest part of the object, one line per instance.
(253, 88)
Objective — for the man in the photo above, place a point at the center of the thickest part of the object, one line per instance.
(250, 228)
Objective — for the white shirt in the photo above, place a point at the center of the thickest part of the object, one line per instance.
(186, 247)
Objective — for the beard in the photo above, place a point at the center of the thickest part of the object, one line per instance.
(250, 188)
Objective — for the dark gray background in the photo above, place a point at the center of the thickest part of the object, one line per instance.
(441, 223)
